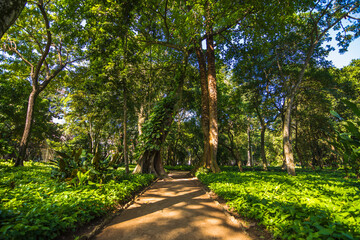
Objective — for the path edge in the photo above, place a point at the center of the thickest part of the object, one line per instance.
(246, 224)
(107, 219)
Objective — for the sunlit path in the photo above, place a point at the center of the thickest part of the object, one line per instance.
(177, 208)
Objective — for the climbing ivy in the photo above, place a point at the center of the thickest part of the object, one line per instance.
(158, 124)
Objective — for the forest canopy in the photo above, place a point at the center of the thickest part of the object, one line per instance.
(201, 83)
(98, 99)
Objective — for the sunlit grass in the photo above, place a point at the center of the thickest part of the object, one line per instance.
(312, 205)
(34, 205)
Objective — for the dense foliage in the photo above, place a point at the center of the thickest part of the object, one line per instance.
(88, 85)
(36, 206)
(347, 142)
(313, 205)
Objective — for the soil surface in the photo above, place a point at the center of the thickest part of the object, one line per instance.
(178, 208)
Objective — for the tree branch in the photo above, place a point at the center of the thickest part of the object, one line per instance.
(219, 31)
(166, 44)
(35, 74)
(13, 48)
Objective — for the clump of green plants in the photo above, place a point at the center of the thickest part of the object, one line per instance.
(81, 168)
(35, 205)
(179, 167)
(347, 139)
(321, 205)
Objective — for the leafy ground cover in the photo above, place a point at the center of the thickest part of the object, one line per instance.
(179, 167)
(34, 205)
(312, 205)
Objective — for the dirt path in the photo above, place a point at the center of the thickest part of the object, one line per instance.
(176, 208)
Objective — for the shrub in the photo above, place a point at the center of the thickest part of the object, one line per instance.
(35, 206)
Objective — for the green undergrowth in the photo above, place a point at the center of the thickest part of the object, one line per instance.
(312, 205)
(179, 167)
(35, 206)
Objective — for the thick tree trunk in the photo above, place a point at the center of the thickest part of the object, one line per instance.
(213, 125)
(9, 12)
(28, 123)
(151, 160)
(126, 160)
(262, 139)
(204, 107)
(262, 144)
(288, 151)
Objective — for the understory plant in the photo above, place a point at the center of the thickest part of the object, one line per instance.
(347, 139)
(312, 205)
(81, 168)
(33, 205)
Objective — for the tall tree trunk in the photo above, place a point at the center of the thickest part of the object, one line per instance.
(249, 152)
(91, 135)
(204, 107)
(126, 160)
(9, 12)
(288, 151)
(262, 138)
(297, 149)
(235, 153)
(262, 143)
(28, 123)
(151, 160)
(211, 79)
(13, 8)
(141, 118)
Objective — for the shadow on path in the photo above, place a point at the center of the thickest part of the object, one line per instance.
(175, 208)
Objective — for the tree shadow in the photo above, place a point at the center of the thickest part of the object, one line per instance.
(292, 216)
(176, 209)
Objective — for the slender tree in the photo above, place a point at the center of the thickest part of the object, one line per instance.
(44, 64)
(321, 17)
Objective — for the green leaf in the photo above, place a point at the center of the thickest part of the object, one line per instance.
(326, 231)
(352, 106)
(335, 114)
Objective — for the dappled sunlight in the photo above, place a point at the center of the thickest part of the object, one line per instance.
(177, 209)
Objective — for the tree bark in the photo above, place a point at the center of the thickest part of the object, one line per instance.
(37, 87)
(249, 152)
(141, 118)
(288, 151)
(9, 12)
(126, 160)
(297, 149)
(151, 160)
(211, 79)
(28, 124)
(262, 139)
(233, 151)
(262, 144)
(205, 160)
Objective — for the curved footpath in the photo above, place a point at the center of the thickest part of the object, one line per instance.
(175, 208)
